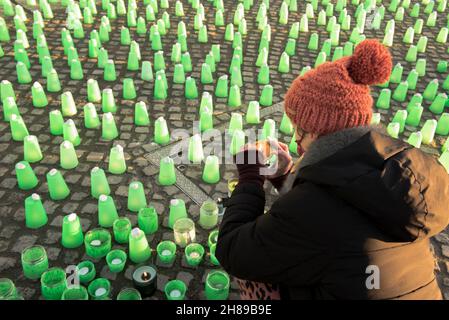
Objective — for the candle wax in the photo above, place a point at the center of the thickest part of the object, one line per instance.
(166, 253)
(175, 293)
(194, 255)
(100, 291)
(84, 271)
(95, 243)
(116, 261)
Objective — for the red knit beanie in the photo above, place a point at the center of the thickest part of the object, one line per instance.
(336, 95)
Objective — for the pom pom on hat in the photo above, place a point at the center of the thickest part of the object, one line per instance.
(371, 63)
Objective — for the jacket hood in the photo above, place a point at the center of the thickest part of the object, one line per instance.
(399, 188)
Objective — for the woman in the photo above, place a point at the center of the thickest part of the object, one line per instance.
(356, 220)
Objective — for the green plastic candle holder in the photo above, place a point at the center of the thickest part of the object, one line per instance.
(177, 211)
(97, 243)
(166, 251)
(85, 271)
(148, 220)
(213, 238)
(72, 233)
(34, 262)
(116, 260)
(99, 289)
(107, 212)
(75, 293)
(194, 254)
(122, 229)
(129, 294)
(175, 290)
(136, 196)
(8, 290)
(57, 186)
(217, 285)
(53, 283)
(212, 257)
(98, 183)
(26, 178)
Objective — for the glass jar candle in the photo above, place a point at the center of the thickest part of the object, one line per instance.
(194, 253)
(75, 293)
(8, 290)
(53, 283)
(99, 289)
(122, 229)
(184, 232)
(97, 243)
(166, 251)
(116, 260)
(175, 290)
(34, 262)
(208, 215)
(129, 294)
(217, 285)
(85, 271)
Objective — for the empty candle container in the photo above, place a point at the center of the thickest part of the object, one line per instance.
(116, 260)
(97, 243)
(166, 251)
(53, 284)
(148, 220)
(175, 290)
(122, 229)
(85, 271)
(217, 285)
(99, 289)
(34, 262)
(184, 232)
(208, 214)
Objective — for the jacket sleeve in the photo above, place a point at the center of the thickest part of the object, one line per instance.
(265, 247)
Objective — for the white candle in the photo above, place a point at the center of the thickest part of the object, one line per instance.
(175, 293)
(95, 243)
(100, 291)
(116, 261)
(84, 271)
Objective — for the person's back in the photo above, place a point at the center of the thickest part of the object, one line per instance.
(356, 222)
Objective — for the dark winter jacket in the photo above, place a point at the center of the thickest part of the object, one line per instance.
(355, 224)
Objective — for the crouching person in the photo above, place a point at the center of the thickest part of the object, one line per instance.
(356, 213)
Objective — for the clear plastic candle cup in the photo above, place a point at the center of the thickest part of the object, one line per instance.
(184, 232)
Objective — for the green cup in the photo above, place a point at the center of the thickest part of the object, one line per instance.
(116, 260)
(53, 284)
(97, 243)
(129, 294)
(86, 271)
(8, 290)
(166, 251)
(75, 293)
(34, 262)
(194, 253)
(99, 289)
(175, 290)
(217, 285)
(122, 229)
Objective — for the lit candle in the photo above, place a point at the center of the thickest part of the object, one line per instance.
(145, 280)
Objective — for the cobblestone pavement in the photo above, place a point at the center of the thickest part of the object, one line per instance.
(138, 141)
